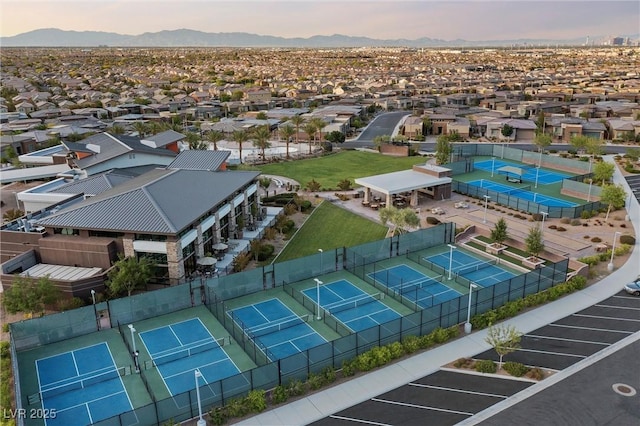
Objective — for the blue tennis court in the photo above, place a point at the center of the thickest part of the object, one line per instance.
(413, 285)
(544, 176)
(523, 193)
(353, 307)
(82, 386)
(177, 350)
(276, 329)
(481, 271)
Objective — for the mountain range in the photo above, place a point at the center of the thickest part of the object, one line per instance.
(52, 37)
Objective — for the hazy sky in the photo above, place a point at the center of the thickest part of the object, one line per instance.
(388, 19)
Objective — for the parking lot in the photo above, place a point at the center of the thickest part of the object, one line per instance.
(634, 183)
(448, 397)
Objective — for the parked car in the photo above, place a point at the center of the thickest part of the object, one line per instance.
(633, 287)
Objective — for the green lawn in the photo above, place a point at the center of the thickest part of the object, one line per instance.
(330, 227)
(331, 169)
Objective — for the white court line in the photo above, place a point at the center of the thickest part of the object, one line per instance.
(494, 395)
(423, 407)
(567, 340)
(577, 327)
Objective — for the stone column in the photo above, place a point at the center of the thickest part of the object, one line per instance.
(174, 262)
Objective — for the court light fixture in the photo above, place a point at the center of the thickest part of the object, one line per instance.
(201, 421)
(318, 284)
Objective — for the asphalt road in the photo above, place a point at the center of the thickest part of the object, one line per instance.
(384, 124)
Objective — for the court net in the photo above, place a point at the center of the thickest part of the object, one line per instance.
(61, 387)
(413, 286)
(184, 352)
(476, 267)
(355, 302)
(273, 327)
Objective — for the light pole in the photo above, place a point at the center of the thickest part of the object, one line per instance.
(537, 173)
(201, 421)
(93, 296)
(451, 249)
(320, 250)
(589, 195)
(486, 202)
(133, 340)
(493, 164)
(613, 249)
(544, 215)
(540, 159)
(467, 325)
(318, 284)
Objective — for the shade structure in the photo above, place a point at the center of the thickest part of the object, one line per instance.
(206, 261)
(220, 246)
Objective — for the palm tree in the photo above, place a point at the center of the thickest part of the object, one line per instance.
(286, 132)
(261, 138)
(239, 136)
(214, 137)
(141, 128)
(297, 121)
(117, 129)
(195, 142)
(320, 124)
(310, 130)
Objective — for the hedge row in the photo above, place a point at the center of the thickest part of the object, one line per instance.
(378, 356)
(513, 308)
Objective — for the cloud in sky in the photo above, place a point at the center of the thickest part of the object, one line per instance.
(389, 19)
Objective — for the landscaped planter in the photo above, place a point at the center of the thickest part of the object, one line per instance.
(495, 248)
(532, 262)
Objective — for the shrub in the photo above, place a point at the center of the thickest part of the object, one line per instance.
(295, 388)
(596, 240)
(486, 366)
(315, 381)
(622, 250)
(585, 214)
(218, 415)
(265, 251)
(68, 304)
(627, 239)
(348, 368)
(433, 220)
(576, 222)
(553, 227)
(565, 220)
(515, 368)
(411, 344)
(279, 395)
(537, 217)
(535, 374)
(329, 375)
(256, 401)
(561, 229)
(396, 350)
(462, 362)
(5, 327)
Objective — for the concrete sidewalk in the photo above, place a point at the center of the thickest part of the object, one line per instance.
(324, 403)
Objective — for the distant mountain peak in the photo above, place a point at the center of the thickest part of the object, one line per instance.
(53, 37)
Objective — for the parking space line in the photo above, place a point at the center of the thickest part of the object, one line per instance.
(592, 328)
(353, 419)
(424, 407)
(618, 307)
(458, 390)
(626, 297)
(603, 317)
(550, 353)
(567, 340)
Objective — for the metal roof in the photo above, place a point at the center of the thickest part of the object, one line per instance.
(165, 138)
(403, 181)
(32, 173)
(112, 146)
(161, 201)
(60, 272)
(199, 160)
(93, 184)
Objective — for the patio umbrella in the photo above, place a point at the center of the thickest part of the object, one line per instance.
(206, 261)
(220, 246)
